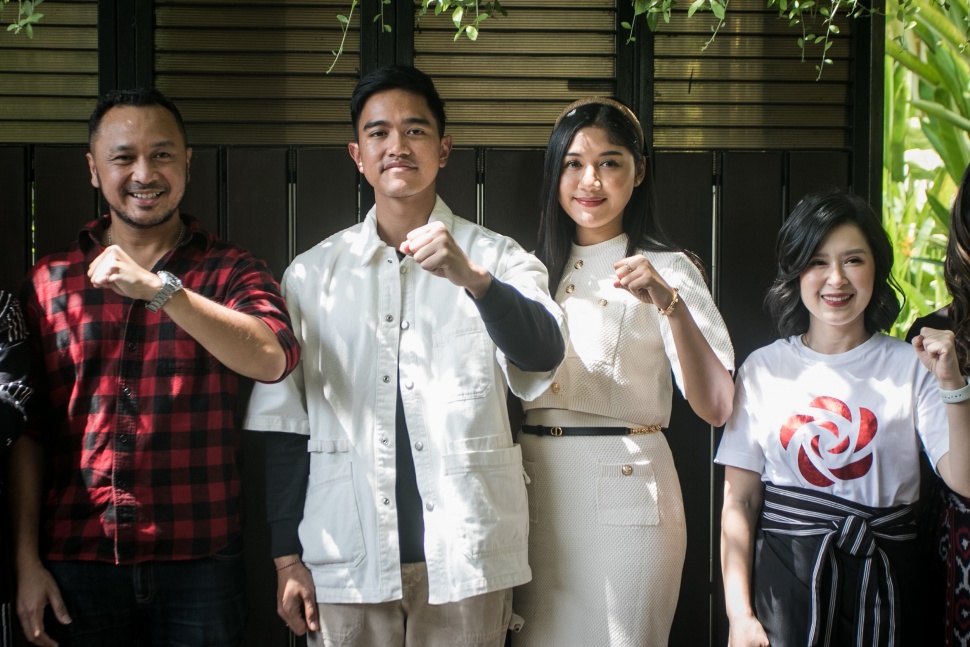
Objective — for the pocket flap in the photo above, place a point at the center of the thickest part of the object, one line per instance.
(328, 446)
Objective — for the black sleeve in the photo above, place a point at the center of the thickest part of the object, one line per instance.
(14, 365)
(287, 473)
(522, 328)
(938, 320)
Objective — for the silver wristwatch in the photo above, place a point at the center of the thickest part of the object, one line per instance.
(170, 285)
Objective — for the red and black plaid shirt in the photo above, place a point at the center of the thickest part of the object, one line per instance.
(142, 424)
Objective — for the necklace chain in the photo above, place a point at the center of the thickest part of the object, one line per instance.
(177, 240)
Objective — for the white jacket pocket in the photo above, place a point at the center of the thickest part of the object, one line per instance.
(331, 531)
(486, 501)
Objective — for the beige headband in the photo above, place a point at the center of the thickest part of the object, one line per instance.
(606, 101)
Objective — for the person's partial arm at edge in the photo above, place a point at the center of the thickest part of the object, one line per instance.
(743, 495)
(287, 473)
(36, 588)
(937, 351)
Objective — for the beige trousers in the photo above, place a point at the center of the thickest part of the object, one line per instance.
(479, 621)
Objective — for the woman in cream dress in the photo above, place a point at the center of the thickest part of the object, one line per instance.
(607, 534)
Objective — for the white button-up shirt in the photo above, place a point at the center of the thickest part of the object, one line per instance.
(366, 321)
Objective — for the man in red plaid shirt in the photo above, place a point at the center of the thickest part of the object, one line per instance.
(143, 335)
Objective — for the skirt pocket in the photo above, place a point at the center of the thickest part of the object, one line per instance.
(626, 494)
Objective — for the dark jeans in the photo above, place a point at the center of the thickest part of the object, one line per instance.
(191, 603)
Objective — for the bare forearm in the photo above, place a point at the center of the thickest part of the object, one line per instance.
(737, 551)
(240, 341)
(743, 496)
(708, 386)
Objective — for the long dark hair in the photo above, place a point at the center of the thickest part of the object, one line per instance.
(640, 223)
(811, 220)
(956, 270)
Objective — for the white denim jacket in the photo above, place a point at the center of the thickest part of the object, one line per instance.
(365, 320)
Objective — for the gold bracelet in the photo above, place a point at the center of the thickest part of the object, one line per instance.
(673, 304)
(288, 565)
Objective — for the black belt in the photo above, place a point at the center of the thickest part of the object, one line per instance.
(539, 430)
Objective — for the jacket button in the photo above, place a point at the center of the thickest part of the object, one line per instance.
(578, 265)
(419, 445)
(555, 387)
(385, 379)
(386, 501)
(603, 302)
(430, 506)
(389, 318)
(570, 288)
(383, 440)
(626, 470)
(405, 325)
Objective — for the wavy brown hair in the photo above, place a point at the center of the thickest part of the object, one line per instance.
(956, 270)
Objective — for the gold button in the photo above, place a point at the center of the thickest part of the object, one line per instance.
(627, 470)
(603, 302)
(570, 288)
(555, 387)
(578, 265)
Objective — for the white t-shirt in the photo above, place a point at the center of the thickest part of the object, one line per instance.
(848, 424)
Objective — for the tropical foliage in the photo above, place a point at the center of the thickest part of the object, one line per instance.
(927, 141)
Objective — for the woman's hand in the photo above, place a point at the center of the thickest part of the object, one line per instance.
(747, 632)
(638, 276)
(937, 351)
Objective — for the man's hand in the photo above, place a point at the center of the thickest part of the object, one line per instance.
(36, 589)
(436, 251)
(115, 269)
(296, 597)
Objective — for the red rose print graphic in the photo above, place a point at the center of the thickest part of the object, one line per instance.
(830, 441)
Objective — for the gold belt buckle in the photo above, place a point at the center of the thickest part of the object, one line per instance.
(649, 429)
(555, 431)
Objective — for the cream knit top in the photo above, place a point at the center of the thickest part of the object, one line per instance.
(621, 351)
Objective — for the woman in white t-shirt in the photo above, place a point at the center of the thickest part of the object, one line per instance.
(821, 452)
(607, 534)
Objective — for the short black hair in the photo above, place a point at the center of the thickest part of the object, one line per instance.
(139, 98)
(397, 77)
(811, 220)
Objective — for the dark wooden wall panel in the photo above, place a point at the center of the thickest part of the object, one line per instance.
(202, 193)
(684, 188)
(684, 184)
(458, 184)
(326, 195)
(14, 216)
(256, 203)
(513, 182)
(815, 171)
(64, 199)
(751, 214)
(263, 627)
(257, 218)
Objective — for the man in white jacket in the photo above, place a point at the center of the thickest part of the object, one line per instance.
(413, 324)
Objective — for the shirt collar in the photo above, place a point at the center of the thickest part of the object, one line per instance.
(93, 233)
(368, 243)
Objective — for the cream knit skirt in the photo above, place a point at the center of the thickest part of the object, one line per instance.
(606, 542)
